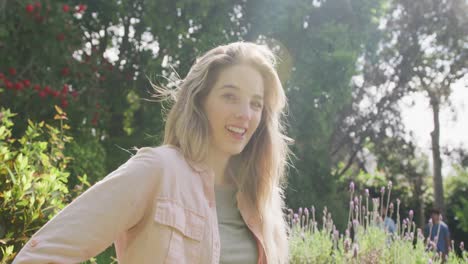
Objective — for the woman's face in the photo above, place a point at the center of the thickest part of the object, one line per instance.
(234, 108)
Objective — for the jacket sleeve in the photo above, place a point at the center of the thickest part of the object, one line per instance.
(97, 217)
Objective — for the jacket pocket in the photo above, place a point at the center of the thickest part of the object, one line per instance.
(187, 229)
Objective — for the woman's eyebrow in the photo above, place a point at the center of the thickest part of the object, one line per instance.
(232, 86)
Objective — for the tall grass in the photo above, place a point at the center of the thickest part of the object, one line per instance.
(366, 238)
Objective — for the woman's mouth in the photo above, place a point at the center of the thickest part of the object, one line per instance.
(236, 132)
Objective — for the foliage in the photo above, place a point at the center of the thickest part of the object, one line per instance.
(457, 213)
(88, 157)
(420, 50)
(33, 178)
(457, 187)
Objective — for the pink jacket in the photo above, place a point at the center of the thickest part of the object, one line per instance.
(156, 208)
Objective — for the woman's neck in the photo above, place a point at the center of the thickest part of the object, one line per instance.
(218, 164)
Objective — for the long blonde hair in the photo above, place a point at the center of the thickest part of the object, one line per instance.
(260, 167)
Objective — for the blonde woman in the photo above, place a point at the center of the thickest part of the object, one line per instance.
(212, 193)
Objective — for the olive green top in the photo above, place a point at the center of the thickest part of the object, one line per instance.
(238, 245)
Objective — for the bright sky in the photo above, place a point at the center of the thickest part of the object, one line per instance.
(453, 125)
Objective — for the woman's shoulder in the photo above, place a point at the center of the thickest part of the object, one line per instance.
(165, 156)
(159, 152)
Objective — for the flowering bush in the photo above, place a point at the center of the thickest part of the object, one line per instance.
(45, 61)
(366, 240)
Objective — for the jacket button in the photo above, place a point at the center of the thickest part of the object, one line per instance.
(33, 243)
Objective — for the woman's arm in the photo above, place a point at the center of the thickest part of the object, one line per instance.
(96, 218)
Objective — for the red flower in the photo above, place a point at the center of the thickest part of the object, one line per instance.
(29, 8)
(37, 87)
(60, 37)
(47, 89)
(74, 94)
(65, 71)
(26, 83)
(81, 8)
(42, 94)
(2, 75)
(19, 86)
(12, 71)
(65, 8)
(95, 119)
(55, 93)
(65, 89)
(9, 85)
(64, 103)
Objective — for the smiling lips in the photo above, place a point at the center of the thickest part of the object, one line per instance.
(237, 132)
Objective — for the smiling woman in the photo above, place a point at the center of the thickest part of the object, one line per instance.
(211, 194)
(234, 109)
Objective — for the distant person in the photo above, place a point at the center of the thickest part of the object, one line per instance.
(438, 230)
(388, 223)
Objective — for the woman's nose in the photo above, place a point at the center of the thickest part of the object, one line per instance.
(244, 111)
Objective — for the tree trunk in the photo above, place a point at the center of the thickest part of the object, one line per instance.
(418, 192)
(437, 161)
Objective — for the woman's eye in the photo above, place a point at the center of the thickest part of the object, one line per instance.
(257, 105)
(230, 97)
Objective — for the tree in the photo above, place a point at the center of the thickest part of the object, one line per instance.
(421, 50)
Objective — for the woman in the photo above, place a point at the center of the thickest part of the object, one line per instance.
(211, 194)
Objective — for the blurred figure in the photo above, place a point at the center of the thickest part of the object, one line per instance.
(388, 223)
(438, 232)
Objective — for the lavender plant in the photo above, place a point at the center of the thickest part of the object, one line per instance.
(367, 239)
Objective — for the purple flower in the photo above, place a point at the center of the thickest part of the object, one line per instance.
(351, 187)
(306, 212)
(355, 222)
(367, 192)
(462, 246)
(382, 190)
(398, 201)
(355, 250)
(411, 214)
(300, 211)
(347, 244)
(296, 216)
(420, 234)
(390, 206)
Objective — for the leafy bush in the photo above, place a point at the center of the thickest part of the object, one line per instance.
(33, 179)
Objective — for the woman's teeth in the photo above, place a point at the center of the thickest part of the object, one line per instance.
(236, 129)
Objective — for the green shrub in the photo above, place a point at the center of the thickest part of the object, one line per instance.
(33, 179)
